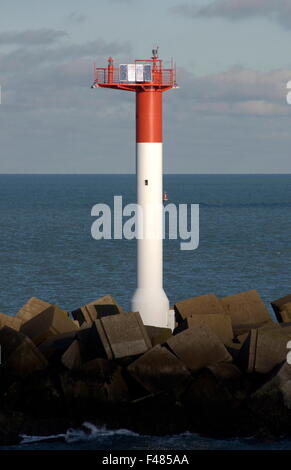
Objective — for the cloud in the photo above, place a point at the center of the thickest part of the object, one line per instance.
(50, 119)
(36, 37)
(76, 17)
(53, 77)
(238, 91)
(49, 114)
(27, 59)
(236, 10)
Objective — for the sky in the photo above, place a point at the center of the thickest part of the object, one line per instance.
(229, 115)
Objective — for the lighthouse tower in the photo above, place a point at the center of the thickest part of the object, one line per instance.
(148, 79)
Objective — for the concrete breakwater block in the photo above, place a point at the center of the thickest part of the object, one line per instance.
(101, 368)
(214, 386)
(235, 346)
(285, 313)
(83, 393)
(198, 347)
(282, 308)
(214, 400)
(19, 356)
(245, 308)
(204, 304)
(51, 322)
(158, 335)
(80, 394)
(33, 307)
(8, 320)
(121, 335)
(282, 380)
(99, 308)
(264, 349)
(72, 356)
(54, 347)
(220, 324)
(240, 330)
(158, 370)
(271, 348)
(270, 404)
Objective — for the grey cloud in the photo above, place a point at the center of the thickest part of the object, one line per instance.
(237, 91)
(26, 59)
(279, 10)
(36, 37)
(54, 77)
(52, 121)
(76, 17)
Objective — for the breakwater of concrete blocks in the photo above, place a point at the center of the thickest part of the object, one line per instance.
(221, 372)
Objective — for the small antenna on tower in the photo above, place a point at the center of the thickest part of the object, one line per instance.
(155, 52)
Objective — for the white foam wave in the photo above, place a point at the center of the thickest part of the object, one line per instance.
(90, 432)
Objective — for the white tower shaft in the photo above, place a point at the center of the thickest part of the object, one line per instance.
(149, 298)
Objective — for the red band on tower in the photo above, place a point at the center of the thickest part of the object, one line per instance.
(149, 110)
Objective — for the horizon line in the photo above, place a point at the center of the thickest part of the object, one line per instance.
(134, 174)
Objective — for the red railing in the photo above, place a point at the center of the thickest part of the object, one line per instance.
(160, 76)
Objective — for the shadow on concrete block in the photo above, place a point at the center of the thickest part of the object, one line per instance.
(51, 322)
(158, 370)
(198, 347)
(19, 356)
(282, 308)
(99, 308)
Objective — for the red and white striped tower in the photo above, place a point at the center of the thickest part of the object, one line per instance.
(148, 79)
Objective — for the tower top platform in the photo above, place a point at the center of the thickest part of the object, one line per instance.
(142, 75)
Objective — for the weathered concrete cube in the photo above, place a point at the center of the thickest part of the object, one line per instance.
(265, 349)
(11, 321)
(214, 396)
(246, 308)
(116, 388)
(72, 356)
(19, 356)
(51, 322)
(234, 348)
(283, 380)
(98, 368)
(81, 396)
(55, 346)
(279, 306)
(271, 348)
(99, 308)
(205, 304)
(247, 354)
(158, 370)
(270, 405)
(158, 335)
(220, 324)
(122, 335)
(33, 307)
(198, 347)
(239, 330)
(93, 343)
(285, 313)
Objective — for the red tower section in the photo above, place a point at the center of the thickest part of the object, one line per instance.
(148, 79)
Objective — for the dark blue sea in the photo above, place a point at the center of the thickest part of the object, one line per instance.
(47, 251)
